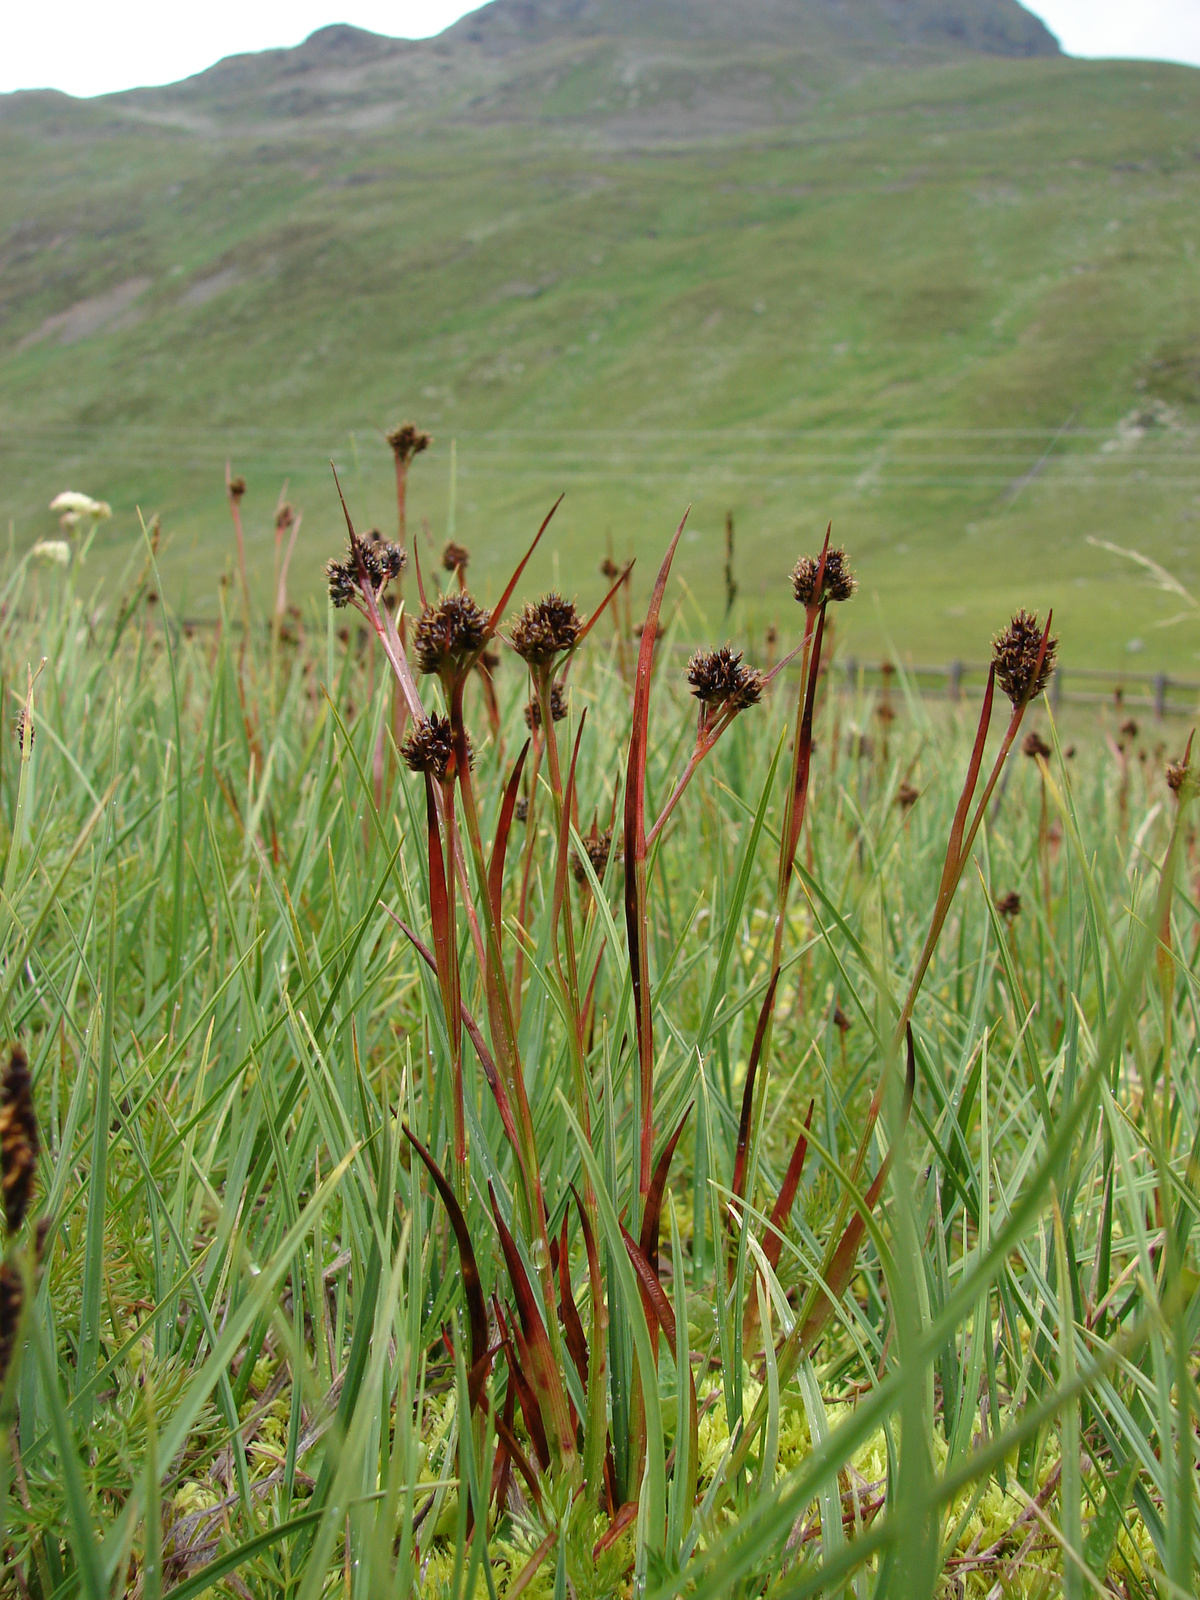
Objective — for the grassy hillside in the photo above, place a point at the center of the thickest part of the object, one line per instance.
(950, 304)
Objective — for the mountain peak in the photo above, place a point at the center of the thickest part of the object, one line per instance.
(992, 27)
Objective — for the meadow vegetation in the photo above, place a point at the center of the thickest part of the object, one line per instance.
(508, 1112)
(949, 303)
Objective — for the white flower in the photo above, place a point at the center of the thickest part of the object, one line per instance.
(74, 505)
(52, 551)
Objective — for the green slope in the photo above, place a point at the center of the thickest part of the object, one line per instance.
(947, 299)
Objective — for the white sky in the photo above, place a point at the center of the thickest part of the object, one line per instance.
(87, 48)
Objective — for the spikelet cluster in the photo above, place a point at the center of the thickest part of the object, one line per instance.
(449, 634)
(545, 628)
(455, 557)
(18, 1169)
(1015, 651)
(837, 581)
(429, 748)
(598, 848)
(377, 558)
(720, 678)
(408, 441)
(558, 708)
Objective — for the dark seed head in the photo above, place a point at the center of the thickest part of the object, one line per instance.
(1129, 728)
(907, 796)
(1180, 778)
(546, 628)
(1015, 654)
(840, 1020)
(1009, 905)
(837, 581)
(455, 557)
(1033, 745)
(380, 560)
(19, 729)
(284, 517)
(12, 1296)
(558, 708)
(597, 847)
(408, 441)
(522, 810)
(18, 1138)
(430, 748)
(719, 677)
(237, 487)
(609, 569)
(449, 634)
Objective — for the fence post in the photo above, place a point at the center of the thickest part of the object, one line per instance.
(1160, 695)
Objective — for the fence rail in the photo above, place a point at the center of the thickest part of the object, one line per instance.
(1157, 692)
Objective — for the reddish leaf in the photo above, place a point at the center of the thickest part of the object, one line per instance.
(502, 1463)
(535, 1425)
(439, 900)
(475, 1033)
(624, 1518)
(654, 1196)
(600, 609)
(519, 1460)
(804, 761)
(782, 1209)
(564, 832)
(658, 1308)
(543, 1374)
(841, 1267)
(635, 861)
(743, 1138)
(951, 868)
(472, 1291)
(416, 554)
(595, 1283)
(494, 619)
(572, 1326)
(503, 827)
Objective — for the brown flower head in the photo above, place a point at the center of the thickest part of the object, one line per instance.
(18, 1138)
(1033, 745)
(1181, 780)
(885, 711)
(597, 847)
(837, 581)
(408, 441)
(558, 708)
(719, 678)
(609, 569)
(455, 557)
(1129, 728)
(285, 515)
(429, 748)
(237, 487)
(1009, 905)
(660, 631)
(545, 629)
(1015, 654)
(374, 557)
(521, 811)
(840, 1020)
(907, 796)
(449, 634)
(19, 729)
(12, 1297)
